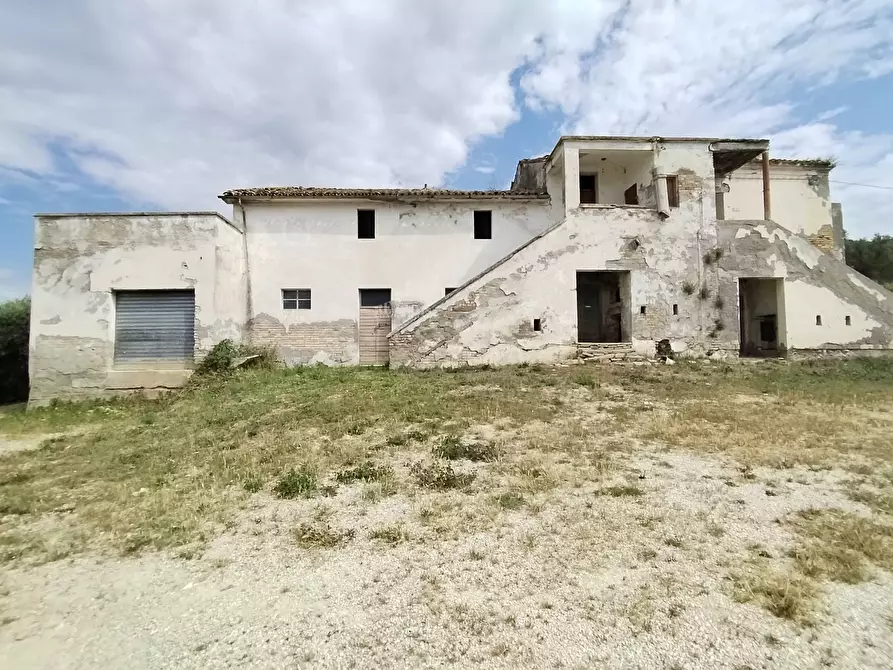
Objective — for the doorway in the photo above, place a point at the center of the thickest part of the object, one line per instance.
(375, 324)
(761, 316)
(603, 300)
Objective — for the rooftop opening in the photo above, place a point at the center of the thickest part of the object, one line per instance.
(616, 177)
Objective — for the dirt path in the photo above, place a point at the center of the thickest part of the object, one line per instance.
(10, 445)
(574, 579)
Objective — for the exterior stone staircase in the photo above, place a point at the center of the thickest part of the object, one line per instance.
(608, 352)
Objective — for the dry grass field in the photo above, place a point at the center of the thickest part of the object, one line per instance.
(697, 515)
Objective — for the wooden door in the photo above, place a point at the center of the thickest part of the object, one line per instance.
(375, 324)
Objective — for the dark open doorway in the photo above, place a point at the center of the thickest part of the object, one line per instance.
(761, 316)
(603, 300)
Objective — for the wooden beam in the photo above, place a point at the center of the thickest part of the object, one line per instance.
(767, 200)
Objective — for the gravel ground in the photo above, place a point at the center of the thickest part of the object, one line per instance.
(572, 579)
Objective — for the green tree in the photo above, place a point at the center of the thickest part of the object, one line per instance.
(15, 317)
(873, 258)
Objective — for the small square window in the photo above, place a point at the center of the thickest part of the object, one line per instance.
(483, 224)
(537, 325)
(848, 321)
(818, 319)
(642, 310)
(675, 309)
(366, 224)
(296, 298)
(673, 191)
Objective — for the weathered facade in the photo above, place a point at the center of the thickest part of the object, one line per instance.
(608, 247)
(83, 262)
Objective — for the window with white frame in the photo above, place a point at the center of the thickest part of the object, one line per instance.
(296, 298)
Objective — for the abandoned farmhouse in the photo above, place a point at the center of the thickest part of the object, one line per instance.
(608, 247)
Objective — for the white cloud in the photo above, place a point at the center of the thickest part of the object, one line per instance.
(172, 101)
(699, 67)
(485, 169)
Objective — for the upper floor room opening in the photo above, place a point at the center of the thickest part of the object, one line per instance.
(592, 172)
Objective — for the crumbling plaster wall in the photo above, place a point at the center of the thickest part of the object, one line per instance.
(800, 201)
(815, 284)
(490, 321)
(419, 250)
(80, 260)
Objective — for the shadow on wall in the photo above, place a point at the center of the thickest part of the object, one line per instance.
(15, 318)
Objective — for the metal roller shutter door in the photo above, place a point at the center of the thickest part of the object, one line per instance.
(154, 326)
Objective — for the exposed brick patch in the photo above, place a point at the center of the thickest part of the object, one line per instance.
(301, 343)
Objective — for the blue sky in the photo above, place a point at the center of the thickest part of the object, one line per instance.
(147, 105)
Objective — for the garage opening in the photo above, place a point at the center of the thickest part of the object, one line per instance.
(375, 324)
(603, 306)
(761, 316)
(155, 328)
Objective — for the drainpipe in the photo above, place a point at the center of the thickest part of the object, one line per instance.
(767, 205)
(248, 301)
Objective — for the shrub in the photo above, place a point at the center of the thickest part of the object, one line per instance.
(225, 355)
(510, 500)
(585, 379)
(392, 535)
(367, 471)
(301, 483)
(440, 476)
(622, 490)
(15, 317)
(453, 448)
(321, 535)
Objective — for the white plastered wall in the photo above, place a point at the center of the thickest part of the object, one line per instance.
(81, 260)
(800, 199)
(419, 250)
(490, 320)
(814, 285)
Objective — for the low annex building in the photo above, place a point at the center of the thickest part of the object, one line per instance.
(608, 247)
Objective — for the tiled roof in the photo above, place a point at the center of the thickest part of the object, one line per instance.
(802, 162)
(271, 192)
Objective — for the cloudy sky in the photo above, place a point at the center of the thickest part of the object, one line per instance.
(163, 104)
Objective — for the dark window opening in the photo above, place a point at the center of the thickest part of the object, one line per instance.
(366, 224)
(631, 195)
(537, 325)
(448, 290)
(296, 298)
(603, 306)
(588, 189)
(675, 309)
(760, 323)
(847, 321)
(818, 319)
(642, 310)
(483, 224)
(673, 191)
(374, 297)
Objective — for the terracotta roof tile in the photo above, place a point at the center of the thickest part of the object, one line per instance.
(275, 192)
